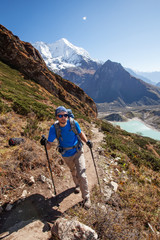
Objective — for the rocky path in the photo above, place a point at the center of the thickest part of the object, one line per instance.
(73, 199)
(38, 228)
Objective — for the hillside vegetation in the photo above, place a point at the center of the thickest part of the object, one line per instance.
(133, 212)
(24, 96)
(27, 110)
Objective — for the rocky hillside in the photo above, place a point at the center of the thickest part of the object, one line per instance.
(25, 58)
(112, 83)
(128, 168)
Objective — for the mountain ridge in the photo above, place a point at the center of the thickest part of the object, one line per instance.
(82, 70)
(154, 76)
(62, 54)
(145, 79)
(25, 58)
(112, 82)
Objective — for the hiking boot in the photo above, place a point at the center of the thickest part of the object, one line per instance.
(77, 190)
(87, 203)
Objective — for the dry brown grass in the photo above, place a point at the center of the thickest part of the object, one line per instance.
(140, 198)
(131, 211)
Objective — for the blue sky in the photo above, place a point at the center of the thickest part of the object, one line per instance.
(124, 31)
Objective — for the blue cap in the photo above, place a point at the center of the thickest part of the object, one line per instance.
(60, 109)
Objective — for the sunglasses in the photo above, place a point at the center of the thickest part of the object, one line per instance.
(62, 115)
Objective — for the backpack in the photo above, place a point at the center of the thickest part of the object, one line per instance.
(15, 141)
(73, 128)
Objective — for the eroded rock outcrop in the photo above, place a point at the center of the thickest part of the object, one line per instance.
(25, 58)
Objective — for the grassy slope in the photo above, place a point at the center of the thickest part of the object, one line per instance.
(24, 96)
(135, 206)
(26, 110)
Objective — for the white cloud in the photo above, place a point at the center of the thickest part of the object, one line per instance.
(84, 18)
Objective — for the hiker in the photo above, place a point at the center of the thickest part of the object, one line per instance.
(70, 146)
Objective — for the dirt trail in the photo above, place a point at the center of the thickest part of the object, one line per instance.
(73, 199)
(35, 227)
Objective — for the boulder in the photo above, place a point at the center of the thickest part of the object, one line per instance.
(66, 229)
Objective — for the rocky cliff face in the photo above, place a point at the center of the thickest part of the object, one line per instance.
(112, 82)
(25, 58)
(79, 75)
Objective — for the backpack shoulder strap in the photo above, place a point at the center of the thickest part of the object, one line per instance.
(73, 125)
(74, 129)
(58, 130)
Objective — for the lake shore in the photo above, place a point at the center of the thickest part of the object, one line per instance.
(149, 117)
(144, 122)
(137, 126)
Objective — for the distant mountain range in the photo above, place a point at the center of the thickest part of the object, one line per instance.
(146, 76)
(154, 76)
(112, 82)
(145, 79)
(149, 77)
(105, 82)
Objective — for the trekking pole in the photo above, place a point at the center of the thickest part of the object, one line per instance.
(96, 170)
(45, 146)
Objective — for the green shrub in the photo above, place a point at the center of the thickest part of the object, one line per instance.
(143, 141)
(23, 95)
(32, 129)
(1, 106)
(21, 108)
(134, 146)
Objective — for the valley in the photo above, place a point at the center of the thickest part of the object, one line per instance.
(150, 115)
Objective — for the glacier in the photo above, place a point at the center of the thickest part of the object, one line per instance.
(62, 54)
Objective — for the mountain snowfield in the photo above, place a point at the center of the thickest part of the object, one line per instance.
(62, 54)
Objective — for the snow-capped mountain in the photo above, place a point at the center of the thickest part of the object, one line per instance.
(62, 54)
(108, 82)
(71, 62)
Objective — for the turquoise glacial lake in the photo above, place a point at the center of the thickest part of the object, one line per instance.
(138, 127)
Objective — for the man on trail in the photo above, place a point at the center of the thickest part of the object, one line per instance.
(70, 146)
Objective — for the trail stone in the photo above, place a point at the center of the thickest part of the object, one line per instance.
(107, 192)
(46, 227)
(117, 159)
(32, 181)
(72, 230)
(8, 207)
(114, 185)
(24, 194)
(42, 178)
